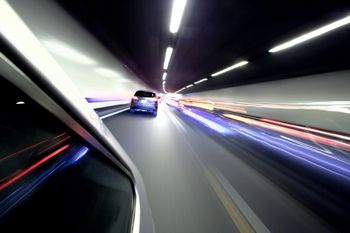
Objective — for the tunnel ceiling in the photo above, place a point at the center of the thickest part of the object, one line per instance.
(214, 35)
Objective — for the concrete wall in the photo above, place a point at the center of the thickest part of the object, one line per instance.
(78, 53)
(321, 100)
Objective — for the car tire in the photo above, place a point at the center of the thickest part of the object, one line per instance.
(132, 110)
(155, 113)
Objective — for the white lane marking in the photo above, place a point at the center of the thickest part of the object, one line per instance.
(252, 218)
(113, 113)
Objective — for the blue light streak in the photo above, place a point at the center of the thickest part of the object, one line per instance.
(81, 153)
(326, 158)
(209, 123)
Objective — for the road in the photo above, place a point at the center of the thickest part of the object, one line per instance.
(195, 184)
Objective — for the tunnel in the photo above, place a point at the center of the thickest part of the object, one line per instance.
(174, 116)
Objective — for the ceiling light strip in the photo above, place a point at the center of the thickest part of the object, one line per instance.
(200, 81)
(176, 15)
(311, 35)
(168, 54)
(235, 66)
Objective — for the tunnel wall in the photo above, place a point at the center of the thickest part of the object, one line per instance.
(321, 100)
(60, 33)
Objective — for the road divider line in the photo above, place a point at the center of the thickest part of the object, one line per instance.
(249, 214)
(231, 207)
(113, 113)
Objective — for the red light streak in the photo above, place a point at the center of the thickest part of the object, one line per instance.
(306, 128)
(11, 175)
(28, 148)
(31, 168)
(292, 132)
(55, 144)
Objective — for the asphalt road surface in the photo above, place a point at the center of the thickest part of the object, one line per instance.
(196, 184)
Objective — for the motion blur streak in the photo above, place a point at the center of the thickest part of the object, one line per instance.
(31, 168)
(190, 140)
(302, 153)
(209, 123)
(28, 148)
(10, 176)
(210, 105)
(330, 106)
(198, 104)
(80, 154)
(176, 15)
(19, 193)
(342, 106)
(307, 129)
(53, 145)
(311, 35)
(335, 164)
(68, 53)
(235, 66)
(296, 133)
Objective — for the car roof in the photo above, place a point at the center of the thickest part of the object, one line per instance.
(147, 91)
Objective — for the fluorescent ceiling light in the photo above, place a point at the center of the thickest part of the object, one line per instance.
(107, 72)
(188, 86)
(176, 15)
(67, 52)
(200, 81)
(179, 90)
(239, 64)
(164, 76)
(311, 34)
(20, 102)
(168, 53)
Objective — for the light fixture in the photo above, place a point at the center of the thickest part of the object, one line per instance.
(239, 64)
(176, 15)
(106, 72)
(67, 52)
(20, 102)
(311, 35)
(188, 86)
(180, 90)
(168, 53)
(200, 81)
(164, 76)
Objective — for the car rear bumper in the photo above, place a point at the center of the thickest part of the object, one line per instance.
(143, 108)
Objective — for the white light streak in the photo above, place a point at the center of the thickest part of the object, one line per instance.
(167, 58)
(235, 66)
(176, 15)
(200, 81)
(311, 35)
(67, 52)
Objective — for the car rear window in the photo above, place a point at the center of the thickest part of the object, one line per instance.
(145, 94)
